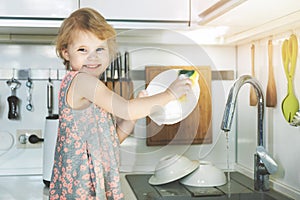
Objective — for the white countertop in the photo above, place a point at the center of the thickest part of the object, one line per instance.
(31, 187)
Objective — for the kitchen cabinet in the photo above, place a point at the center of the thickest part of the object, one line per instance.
(146, 10)
(196, 128)
(245, 21)
(37, 8)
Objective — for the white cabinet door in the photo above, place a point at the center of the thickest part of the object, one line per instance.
(37, 8)
(146, 10)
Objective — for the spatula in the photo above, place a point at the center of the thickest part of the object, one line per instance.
(271, 94)
(253, 98)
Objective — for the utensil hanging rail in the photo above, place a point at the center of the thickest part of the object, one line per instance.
(58, 74)
(33, 74)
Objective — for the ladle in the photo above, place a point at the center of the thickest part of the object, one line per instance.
(290, 104)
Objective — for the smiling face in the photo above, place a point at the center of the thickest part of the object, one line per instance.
(82, 25)
(87, 53)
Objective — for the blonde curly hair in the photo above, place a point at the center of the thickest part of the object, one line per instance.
(87, 20)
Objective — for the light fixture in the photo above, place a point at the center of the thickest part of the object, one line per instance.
(218, 9)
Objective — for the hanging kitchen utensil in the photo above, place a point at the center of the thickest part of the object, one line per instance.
(128, 84)
(29, 85)
(118, 65)
(120, 69)
(290, 104)
(110, 80)
(50, 97)
(296, 119)
(13, 100)
(253, 98)
(271, 94)
(105, 77)
(50, 134)
(113, 74)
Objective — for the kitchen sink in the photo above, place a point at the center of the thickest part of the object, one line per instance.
(240, 187)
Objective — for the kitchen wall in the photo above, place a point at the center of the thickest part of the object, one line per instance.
(135, 155)
(38, 58)
(282, 139)
(158, 49)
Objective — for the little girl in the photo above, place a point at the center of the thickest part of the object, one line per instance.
(86, 163)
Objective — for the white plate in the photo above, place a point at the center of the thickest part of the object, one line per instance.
(174, 111)
(156, 180)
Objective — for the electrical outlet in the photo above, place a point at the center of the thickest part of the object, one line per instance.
(23, 136)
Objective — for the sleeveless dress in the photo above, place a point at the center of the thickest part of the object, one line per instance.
(86, 162)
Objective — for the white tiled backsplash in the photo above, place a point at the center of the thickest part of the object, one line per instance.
(135, 155)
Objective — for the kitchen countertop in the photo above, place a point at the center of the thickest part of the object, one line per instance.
(31, 187)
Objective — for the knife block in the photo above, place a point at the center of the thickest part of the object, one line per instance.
(122, 87)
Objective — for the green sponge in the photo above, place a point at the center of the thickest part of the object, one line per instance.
(189, 73)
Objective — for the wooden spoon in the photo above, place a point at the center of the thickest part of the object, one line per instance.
(271, 94)
(253, 97)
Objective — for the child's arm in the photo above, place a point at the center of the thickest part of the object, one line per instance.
(125, 127)
(87, 87)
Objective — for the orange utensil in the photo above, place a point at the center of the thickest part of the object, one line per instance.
(271, 94)
(253, 98)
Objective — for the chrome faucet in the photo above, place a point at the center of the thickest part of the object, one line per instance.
(263, 163)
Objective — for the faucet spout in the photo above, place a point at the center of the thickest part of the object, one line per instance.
(261, 173)
(231, 103)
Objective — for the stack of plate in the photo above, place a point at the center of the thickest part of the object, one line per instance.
(192, 173)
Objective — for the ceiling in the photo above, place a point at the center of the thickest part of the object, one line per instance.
(248, 19)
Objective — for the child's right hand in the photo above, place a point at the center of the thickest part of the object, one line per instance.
(181, 86)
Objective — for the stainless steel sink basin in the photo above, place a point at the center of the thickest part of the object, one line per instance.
(239, 188)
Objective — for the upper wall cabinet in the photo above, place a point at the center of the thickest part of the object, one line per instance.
(37, 8)
(33, 17)
(135, 11)
(244, 21)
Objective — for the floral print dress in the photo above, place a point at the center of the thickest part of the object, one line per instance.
(86, 162)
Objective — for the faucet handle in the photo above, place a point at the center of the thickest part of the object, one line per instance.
(267, 160)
